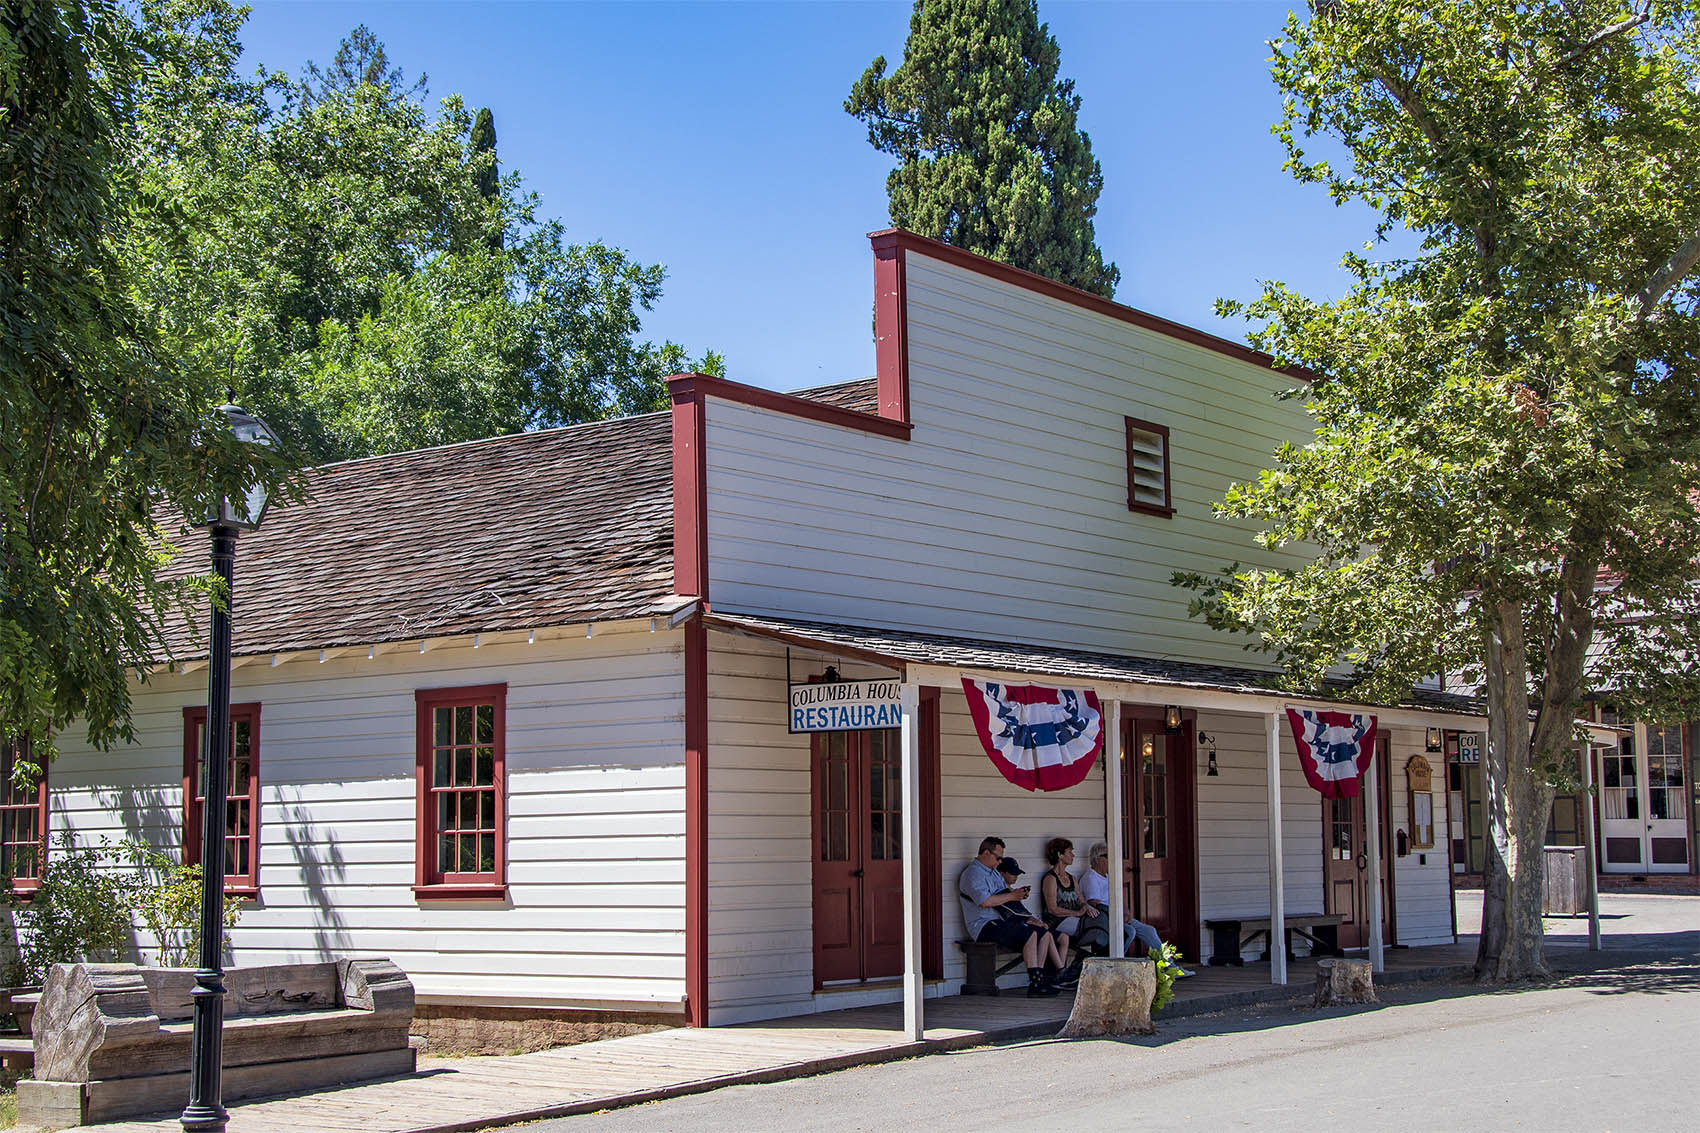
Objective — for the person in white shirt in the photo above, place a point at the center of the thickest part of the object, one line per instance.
(1095, 888)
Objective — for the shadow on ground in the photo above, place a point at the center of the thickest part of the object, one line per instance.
(1677, 974)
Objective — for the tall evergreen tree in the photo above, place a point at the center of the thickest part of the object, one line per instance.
(486, 169)
(360, 61)
(992, 160)
(483, 141)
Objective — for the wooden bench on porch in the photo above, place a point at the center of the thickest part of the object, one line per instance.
(1228, 939)
(985, 964)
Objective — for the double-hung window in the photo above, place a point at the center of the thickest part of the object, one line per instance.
(23, 820)
(462, 792)
(242, 800)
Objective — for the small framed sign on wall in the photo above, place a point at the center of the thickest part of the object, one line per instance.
(1419, 777)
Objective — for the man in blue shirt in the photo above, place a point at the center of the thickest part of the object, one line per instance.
(981, 890)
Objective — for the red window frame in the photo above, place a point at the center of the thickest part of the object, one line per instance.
(236, 884)
(1167, 508)
(431, 880)
(15, 805)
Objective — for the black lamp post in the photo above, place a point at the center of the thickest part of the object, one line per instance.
(206, 1109)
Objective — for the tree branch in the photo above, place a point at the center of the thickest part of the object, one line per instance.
(1673, 271)
(1412, 105)
(1599, 37)
(41, 478)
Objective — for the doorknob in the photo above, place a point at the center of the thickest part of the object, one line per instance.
(856, 873)
(1363, 863)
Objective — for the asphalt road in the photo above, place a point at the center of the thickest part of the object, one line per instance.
(1607, 1050)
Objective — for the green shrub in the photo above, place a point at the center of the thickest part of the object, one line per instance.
(166, 896)
(80, 912)
(1167, 959)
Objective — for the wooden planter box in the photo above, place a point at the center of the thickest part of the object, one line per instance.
(113, 1040)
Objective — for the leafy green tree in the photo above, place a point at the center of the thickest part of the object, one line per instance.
(1504, 475)
(98, 423)
(991, 158)
(357, 271)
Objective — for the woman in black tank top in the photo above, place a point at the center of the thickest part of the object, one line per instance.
(1063, 905)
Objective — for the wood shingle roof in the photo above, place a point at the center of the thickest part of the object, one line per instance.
(518, 532)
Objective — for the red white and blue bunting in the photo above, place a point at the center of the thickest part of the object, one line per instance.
(1334, 749)
(1040, 739)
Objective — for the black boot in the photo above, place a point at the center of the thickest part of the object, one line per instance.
(1038, 984)
(1070, 976)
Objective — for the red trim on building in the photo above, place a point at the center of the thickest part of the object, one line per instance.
(891, 326)
(690, 498)
(194, 720)
(696, 822)
(429, 883)
(702, 385)
(908, 241)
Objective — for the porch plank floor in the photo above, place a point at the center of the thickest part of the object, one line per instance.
(454, 1095)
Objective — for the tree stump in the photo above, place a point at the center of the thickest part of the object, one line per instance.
(1114, 998)
(1344, 981)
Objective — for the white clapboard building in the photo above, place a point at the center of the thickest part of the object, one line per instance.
(517, 713)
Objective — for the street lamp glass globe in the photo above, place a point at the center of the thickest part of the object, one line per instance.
(250, 430)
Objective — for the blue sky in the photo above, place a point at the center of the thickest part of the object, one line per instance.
(711, 137)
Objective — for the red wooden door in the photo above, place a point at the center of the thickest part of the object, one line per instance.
(1159, 840)
(858, 861)
(1345, 866)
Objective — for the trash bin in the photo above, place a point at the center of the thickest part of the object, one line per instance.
(1565, 893)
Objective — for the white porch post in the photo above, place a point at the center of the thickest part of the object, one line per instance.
(1113, 771)
(1588, 836)
(1277, 880)
(909, 699)
(1372, 835)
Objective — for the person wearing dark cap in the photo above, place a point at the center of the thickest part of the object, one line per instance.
(1050, 953)
(982, 892)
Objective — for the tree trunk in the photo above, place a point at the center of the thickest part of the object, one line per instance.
(1519, 801)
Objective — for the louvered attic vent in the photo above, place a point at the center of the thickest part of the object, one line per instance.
(1148, 468)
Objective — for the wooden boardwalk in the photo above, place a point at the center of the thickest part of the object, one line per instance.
(476, 1093)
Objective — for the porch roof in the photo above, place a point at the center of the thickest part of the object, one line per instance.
(907, 650)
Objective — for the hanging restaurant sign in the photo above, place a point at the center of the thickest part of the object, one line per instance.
(843, 706)
(1040, 739)
(1334, 749)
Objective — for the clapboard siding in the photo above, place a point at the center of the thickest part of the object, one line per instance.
(1233, 841)
(1233, 825)
(595, 836)
(1004, 515)
(1422, 877)
(761, 947)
